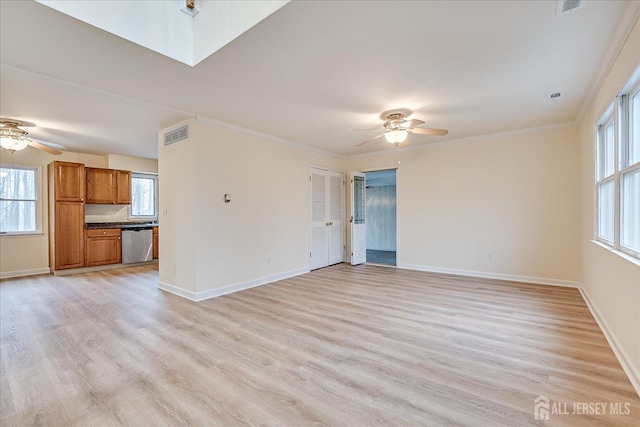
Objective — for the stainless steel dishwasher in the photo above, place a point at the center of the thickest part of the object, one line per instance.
(137, 245)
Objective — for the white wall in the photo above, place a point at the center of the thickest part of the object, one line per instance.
(179, 196)
(156, 25)
(134, 164)
(611, 282)
(262, 234)
(514, 196)
(160, 25)
(220, 22)
(23, 255)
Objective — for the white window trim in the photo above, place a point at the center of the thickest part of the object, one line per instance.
(39, 193)
(622, 169)
(601, 127)
(147, 175)
(618, 111)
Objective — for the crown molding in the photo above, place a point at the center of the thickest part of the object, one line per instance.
(621, 36)
(472, 138)
(298, 145)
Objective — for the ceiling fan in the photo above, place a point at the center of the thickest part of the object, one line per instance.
(397, 128)
(13, 138)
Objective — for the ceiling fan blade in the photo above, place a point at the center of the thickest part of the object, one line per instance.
(373, 128)
(43, 147)
(428, 131)
(412, 123)
(370, 139)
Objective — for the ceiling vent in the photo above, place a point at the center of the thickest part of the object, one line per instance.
(176, 135)
(566, 6)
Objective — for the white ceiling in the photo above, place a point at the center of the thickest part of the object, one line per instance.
(313, 71)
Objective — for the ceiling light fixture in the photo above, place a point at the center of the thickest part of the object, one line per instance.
(13, 138)
(396, 136)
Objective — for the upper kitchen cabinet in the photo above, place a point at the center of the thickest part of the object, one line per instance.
(123, 184)
(69, 181)
(108, 186)
(101, 185)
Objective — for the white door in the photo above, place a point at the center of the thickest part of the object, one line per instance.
(358, 214)
(327, 224)
(319, 236)
(335, 214)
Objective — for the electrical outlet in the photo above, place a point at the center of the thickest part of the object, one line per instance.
(164, 211)
(490, 255)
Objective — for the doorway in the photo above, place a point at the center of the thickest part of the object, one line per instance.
(381, 224)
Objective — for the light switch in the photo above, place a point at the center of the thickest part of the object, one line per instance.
(227, 198)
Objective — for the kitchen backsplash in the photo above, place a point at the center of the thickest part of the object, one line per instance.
(106, 213)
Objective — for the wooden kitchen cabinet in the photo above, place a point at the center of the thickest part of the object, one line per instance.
(108, 186)
(69, 236)
(156, 242)
(101, 186)
(66, 215)
(68, 181)
(123, 186)
(103, 246)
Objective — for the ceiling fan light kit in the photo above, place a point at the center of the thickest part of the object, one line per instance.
(12, 138)
(13, 144)
(397, 128)
(396, 137)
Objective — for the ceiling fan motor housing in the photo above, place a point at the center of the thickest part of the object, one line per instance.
(11, 129)
(395, 121)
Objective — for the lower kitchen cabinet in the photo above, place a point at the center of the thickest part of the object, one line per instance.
(103, 246)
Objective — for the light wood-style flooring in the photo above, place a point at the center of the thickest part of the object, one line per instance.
(341, 346)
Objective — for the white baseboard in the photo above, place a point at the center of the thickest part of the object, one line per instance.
(190, 295)
(212, 293)
(497, 276)
(622, 357)
(21, 273)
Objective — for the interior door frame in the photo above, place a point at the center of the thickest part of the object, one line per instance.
(395, 167)
(362, 227)
(310, 211)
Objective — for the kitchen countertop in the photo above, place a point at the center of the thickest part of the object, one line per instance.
(99, 225)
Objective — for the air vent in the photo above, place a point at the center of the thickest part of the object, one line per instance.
(176, 135)
(566, 6)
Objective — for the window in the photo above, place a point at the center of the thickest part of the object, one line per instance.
(19, 199)
(618, 173)
(144, 196)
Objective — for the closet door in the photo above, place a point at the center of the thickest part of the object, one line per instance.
(327, 223)
(334, 215)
